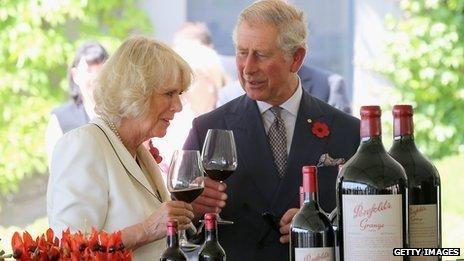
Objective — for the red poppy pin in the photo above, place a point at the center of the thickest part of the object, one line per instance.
(155, 153)
(320, 129)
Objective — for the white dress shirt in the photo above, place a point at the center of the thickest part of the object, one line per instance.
(288, 114)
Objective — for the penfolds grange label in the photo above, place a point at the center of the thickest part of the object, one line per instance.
(314, 254)
(423, 228)
(372, 226)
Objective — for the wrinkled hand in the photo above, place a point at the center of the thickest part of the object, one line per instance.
(155, 225)
(212, 200)
(285, 224)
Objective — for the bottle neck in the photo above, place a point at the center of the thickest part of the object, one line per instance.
(404, 138)
(402, 125)
(403, 131)
(370, 128)
(310, 198)
(173, 240)
(372, 144)
(405, 142)
(211, 234)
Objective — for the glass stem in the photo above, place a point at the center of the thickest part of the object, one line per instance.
(182, 238)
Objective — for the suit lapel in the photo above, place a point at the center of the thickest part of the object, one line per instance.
(154, 173)
(128, 162)
(253, 151)
(306, 149)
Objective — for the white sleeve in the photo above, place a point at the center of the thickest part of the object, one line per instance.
(77, 193)
(52, 135)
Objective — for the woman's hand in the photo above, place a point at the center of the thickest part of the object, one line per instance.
(154, 227)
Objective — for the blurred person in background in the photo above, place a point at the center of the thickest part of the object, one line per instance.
(100, 174)
(198, 31)
(79, 110)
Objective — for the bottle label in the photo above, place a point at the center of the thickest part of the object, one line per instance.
(314, 254)
(423, 228)
(372, 226)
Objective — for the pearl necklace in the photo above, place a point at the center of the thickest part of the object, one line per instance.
(113, 128)
(115, 131)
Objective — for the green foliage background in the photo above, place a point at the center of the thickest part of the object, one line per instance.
(427, 48)
(38, 40)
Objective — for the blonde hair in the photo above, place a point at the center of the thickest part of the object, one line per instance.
(290, 22)
(126, 83)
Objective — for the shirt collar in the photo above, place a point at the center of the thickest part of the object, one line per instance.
(291, 105)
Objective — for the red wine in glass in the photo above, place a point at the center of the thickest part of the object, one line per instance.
(219, 157)
(185, 182)
(188, 194)
(218, 175)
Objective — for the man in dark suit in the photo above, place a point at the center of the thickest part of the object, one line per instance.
(276, 132)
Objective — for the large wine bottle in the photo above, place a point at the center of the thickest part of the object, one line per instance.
(372, 197)
(211, 250)
(173, 251)
(423, 182)
(311, 233)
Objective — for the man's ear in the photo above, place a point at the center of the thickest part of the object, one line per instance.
(298, 59)
(74, 75)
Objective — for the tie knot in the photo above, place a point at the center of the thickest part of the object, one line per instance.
(276, 111)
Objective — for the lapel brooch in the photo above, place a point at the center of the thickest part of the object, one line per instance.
(319, 129)
(326, 161)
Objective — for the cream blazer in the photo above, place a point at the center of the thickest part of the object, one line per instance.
(92, 184)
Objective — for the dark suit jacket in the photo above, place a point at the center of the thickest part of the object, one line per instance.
(255, 187)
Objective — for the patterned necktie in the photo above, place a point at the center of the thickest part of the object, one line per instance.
(278, 141)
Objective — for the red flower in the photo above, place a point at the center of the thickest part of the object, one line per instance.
(155, 153)
(320, 129)
(17, 245)
(100, 245)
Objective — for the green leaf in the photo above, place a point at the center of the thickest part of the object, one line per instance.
(427, 52)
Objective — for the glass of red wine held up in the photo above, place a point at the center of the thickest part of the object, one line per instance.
(185, 182)
(219, 157)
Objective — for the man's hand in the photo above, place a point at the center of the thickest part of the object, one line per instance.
(285, 224)
(212, 200)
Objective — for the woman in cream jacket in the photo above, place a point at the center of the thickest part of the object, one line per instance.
(100, 174)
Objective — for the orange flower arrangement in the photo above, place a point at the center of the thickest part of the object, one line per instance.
(98, 246)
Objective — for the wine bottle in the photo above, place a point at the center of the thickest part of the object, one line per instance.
(301, 196)
(173, 251)
(311, 233)
(333, 218)
(372, 197)
(423, 183)
(211, 250)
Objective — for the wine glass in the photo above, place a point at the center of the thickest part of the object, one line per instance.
(185, 182)
(219, 157)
